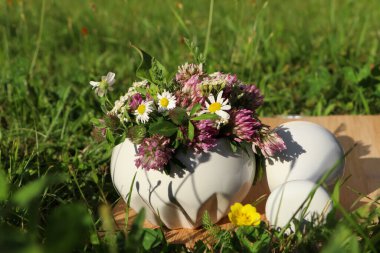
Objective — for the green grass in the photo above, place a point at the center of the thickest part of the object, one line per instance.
(308, 57)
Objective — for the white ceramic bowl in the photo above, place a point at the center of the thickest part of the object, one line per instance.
(285, 201)
(311, 152)
(212, 181)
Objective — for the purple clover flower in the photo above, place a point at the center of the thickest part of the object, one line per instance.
(189, 76)
(252, 98)
(154, 153)
(269, 142)
(244, 125)
(135, 101)
(205, 136)
(186, 71)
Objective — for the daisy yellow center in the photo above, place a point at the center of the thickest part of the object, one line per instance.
(141, 109)
(164, 102)
(215, 107)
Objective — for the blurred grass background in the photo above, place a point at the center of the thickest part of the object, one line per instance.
(308, 57)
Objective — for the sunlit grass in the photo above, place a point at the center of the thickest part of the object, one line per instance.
(308, 57)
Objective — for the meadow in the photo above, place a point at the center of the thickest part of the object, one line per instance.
(307, 57)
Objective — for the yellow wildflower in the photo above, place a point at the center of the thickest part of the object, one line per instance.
(244, 215)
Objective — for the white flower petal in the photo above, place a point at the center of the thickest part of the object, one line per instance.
(223, 114)
(144, 118)
(110, 78)
(226, 107)
(225, 102)
(94, 84)
(211, 98)
(219, 98)
(99, 92)
(171, 104)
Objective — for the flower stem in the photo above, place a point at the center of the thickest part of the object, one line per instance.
(209, 27)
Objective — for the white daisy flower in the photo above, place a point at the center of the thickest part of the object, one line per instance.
(141, 84)
(104, 85)
(166, 101)
(219, 107)
(142, 112)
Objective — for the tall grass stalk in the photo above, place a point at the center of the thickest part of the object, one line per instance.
(38, 42)
(208, 34)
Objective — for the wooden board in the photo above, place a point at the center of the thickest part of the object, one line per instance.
(362, 167)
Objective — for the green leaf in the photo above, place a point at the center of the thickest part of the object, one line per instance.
(195, 109)
(158, 72)
(191, 131)
(151, 238)
(63, 236)
(136, 233)
(141, 90)
(109, 137)
(138, 222)
(95, 121)
(179, 135)
(136, 134)
(206, 116)
(260, 168)
(207, 224)
(163, 127)
(178, 115)
(145, 65)
(150, 68)
(15, 240)
(178, 140)
(35, 188)
(94, 176)
(233, 146)
(129, 198)
(350, 75)
(364, 72)
(153, 89)
(4, 187)
(342, 239)
(335, 196)
(241, 233)
(200, 246)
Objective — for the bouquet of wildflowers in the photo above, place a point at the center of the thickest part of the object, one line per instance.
(162, 114)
